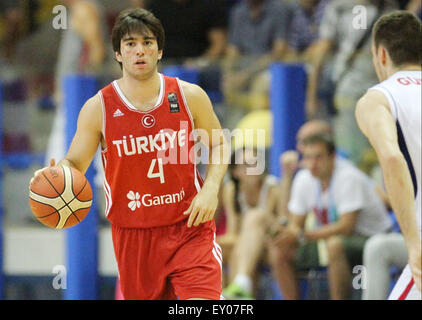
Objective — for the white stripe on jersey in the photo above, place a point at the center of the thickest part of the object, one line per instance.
(107, 190)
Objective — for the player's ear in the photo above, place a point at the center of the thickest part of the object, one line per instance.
(382, 53)
(118, 56)
(160, 54)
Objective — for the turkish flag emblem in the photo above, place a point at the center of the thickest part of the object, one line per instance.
(148, 121)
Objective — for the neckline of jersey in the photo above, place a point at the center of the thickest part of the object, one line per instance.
(405, 71)
(130, 106)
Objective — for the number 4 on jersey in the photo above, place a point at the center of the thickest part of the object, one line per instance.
(160, 174)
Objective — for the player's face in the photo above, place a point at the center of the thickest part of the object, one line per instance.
(318, 160)
(139, 54)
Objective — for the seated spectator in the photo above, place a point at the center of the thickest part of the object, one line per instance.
(347, 209)
(290, 161)
(257, 37)
(249, 203)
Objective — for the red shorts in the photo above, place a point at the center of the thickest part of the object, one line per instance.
(170, 262)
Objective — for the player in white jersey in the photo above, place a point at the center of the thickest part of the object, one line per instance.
(389, 114)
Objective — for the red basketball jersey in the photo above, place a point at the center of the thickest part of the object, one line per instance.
(149, 163)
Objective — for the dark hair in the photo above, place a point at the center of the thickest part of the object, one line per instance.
(400, 32)
(324, 138)
(136, 21)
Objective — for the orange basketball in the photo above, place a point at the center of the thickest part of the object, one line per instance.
(60, 197)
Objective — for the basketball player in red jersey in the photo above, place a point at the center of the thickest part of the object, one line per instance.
(161, 212)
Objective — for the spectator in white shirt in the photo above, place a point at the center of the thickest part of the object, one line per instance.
(347, 209)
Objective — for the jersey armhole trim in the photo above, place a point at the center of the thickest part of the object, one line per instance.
(197, 177)
(103, 129)
(185, 103)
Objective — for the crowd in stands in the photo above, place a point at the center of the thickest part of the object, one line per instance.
(327, 210)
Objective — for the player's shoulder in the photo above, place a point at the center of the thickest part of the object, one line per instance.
(374, 94)
(196, 97)
(92, 110)
(191, 89)
(374, 98)
(94, 102)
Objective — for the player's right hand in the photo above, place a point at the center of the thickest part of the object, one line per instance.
(36, 173)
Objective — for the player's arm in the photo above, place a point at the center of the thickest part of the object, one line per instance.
(87, 137)
(374, 118)
(378, 125)
(203, 206)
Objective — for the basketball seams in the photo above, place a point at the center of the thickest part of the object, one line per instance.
(67, 177)
(68, 191)
(52, 185)
(65, 172)
(75, 197)
(52, 206)
(53, 202)
(46, 204)
(80, 202)
(40, 195)
(62, 221)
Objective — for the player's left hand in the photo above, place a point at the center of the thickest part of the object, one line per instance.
(202, 207)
